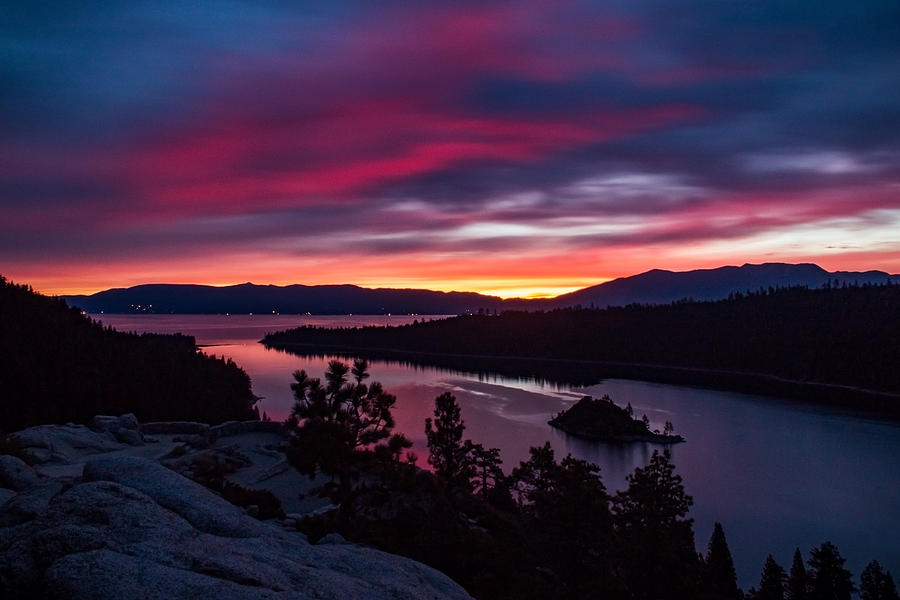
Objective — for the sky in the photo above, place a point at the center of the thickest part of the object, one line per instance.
(514, 148)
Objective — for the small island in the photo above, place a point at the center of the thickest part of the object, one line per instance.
(602, 420)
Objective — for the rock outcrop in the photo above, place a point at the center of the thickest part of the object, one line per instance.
(63, 443)
(123, 428)
(15, 474)
(130, 528)
(225, 429)
(203, 509)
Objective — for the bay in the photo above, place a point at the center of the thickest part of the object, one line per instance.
(777, 474)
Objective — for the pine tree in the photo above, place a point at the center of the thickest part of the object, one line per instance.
(771, 584)
(656, 538)
(828, 579)
(446, 451)
(566, 508)
(719, 576)
(336, 423)
(486, 463)
(877, 584)
(798, 579)
(533, 479)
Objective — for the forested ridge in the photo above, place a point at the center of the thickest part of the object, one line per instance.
(847, 336)
(58, 366)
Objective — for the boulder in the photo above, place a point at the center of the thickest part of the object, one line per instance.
(104, 539)
(222, 460)
(202, 508)
(108, 575)
(132, 437)
(63, 443)
(124, 428)
(174, 427)
(331, 538)
(102, 423)
(229, 428)
(5, 495)
(111, 424)
(129, 421)
(193, 440)
(15, 474)
(225, 429)
(125, 515)
(29, 504)
(86, 517)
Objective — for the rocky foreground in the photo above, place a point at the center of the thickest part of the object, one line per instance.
(100, 516)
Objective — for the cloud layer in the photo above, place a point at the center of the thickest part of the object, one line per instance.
(507, 147)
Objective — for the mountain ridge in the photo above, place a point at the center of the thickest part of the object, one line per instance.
(656, 286)
(659, 286)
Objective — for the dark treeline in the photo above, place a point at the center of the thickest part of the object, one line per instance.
(60, 366)
(775, 341)
(546, 529)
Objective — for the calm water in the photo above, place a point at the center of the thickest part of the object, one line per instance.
(778, 475)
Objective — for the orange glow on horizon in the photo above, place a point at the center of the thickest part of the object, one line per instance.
(504, 276)
(531, 289)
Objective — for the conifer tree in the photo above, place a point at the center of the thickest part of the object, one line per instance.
(719, 575)
(336, 422)
(798, 579)
(877, 584)
(771, 584)
(656, 539)
(828, 579)
(533, 479)
(567, 508)
(486, 463)
(446, 451)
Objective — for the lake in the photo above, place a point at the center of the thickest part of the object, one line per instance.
(777, 474)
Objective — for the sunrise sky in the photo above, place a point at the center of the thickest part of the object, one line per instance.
(514, 148)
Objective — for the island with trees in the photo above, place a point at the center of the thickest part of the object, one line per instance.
(602, 420)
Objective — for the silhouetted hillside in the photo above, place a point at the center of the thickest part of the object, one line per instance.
(663, 287)
(292, 299)
(768, 342)
(652, 287)
(60, 366)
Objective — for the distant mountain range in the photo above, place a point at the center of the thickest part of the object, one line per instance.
(291, 299)
(653, 287)
(663, 287)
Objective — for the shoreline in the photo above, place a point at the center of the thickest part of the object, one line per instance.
(862, 401)
(652, 438)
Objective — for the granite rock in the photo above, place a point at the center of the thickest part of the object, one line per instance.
(132, 437)
(205, 510)
(15, 474)
(137, 530)
(5, 495)
(63, 443)
(29, 504)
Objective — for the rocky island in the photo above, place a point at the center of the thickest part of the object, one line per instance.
(603, 420)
